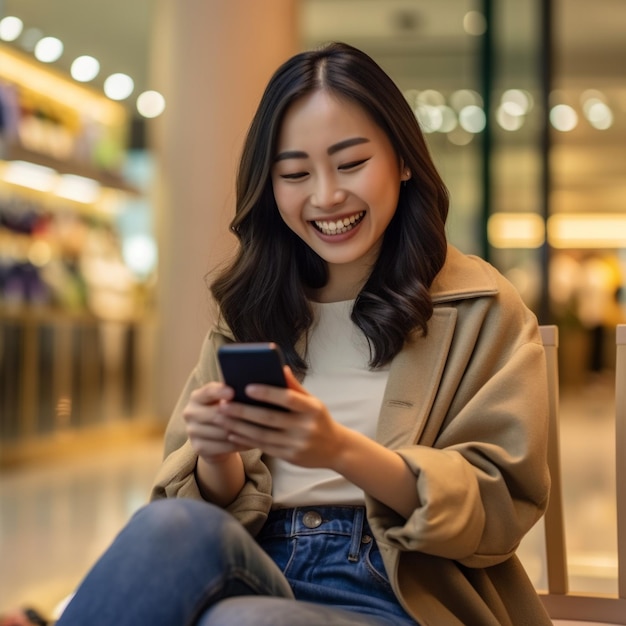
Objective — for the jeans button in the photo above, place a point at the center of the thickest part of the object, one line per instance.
(311, 519)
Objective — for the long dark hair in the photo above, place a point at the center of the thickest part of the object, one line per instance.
(262, 292)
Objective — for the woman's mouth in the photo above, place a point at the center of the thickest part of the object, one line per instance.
(340, 226)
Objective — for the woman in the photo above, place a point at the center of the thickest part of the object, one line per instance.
(411, 459)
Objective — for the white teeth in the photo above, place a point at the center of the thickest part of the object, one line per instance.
(340, 226)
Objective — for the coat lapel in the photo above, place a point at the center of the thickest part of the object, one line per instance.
(415, 373)
(414, 379)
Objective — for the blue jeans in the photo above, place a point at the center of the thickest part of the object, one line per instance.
(181, 563)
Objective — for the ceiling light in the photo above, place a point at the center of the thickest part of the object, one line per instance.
(84, 68)
(459, 137)
(474, 23)
(472, 119)
(429, 117)
(507, 120)
(10, 28)
(599, 114)
(150, 104)
(516, 101)
(118, 86)
(563, 117)
(48, 49)
(62, 91)
(430, 97)
(464, 97)
(448, 119)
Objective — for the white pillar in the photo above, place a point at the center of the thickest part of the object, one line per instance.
(211, 59)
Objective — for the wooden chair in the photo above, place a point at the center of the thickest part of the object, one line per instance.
(559, 601)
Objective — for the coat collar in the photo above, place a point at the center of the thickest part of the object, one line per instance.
(462, 276)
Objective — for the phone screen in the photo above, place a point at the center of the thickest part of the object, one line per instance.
(246, 363)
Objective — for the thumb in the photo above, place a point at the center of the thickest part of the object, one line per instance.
(292, 381)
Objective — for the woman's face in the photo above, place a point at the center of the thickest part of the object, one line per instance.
(336, 180)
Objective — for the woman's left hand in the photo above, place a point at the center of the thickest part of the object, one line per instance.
(304, 435)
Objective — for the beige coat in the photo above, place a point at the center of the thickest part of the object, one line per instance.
(466, 407)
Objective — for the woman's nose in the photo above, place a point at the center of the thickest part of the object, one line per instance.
(327, 194)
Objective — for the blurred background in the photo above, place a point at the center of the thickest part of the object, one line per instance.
(120, 128)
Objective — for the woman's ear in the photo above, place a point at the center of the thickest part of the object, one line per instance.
(405, 172)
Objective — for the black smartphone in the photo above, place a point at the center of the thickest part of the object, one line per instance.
(247, 363)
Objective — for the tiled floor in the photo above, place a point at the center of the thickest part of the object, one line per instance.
(56, 518)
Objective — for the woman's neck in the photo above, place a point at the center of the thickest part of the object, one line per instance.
(344, 283)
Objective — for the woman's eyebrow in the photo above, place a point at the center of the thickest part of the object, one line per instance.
(291, 154)
(346, 143)
(336, 147)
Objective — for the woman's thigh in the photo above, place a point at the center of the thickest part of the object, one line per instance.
(173, 560)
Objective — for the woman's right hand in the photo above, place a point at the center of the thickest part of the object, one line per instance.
(206, 429)
(219, 470)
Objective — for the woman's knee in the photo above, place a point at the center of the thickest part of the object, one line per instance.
(179, 521)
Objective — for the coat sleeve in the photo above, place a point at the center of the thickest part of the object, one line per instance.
(484, 481)
(176, 478)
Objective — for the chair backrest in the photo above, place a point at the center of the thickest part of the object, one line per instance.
(559, 601)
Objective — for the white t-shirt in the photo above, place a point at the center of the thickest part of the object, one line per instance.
(339, 375)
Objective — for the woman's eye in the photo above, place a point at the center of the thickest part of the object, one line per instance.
(293, 176)
(353, 164)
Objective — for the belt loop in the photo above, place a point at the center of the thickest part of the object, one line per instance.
(357, 532)
(293, 522)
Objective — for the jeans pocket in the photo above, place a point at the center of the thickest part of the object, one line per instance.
(374, 563)
(281, 550)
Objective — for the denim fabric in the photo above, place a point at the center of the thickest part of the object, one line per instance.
(187, 563)
(329, 556)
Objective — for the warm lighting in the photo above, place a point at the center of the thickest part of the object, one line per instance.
(472, 119)
(516, 230)
(47, 180)
(429, 117)
(16, 69)
(29, 175)
(563, 117)
(84, 68)
(507, 120)
(474, 23)
(140, 254)
(118, 86)
(465, 97)
(150, 104)
(39, 253)
(448, 119)
(77, 188)
(516, 102)
(599, 115)
(459, 137)
(587, 230)
(10, 28)
(48, 49)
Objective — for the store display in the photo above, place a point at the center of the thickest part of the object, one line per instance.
(70, 306)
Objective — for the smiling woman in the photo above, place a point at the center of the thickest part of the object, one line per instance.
(406, 457)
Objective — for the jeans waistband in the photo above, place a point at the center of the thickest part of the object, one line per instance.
(318, 520)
